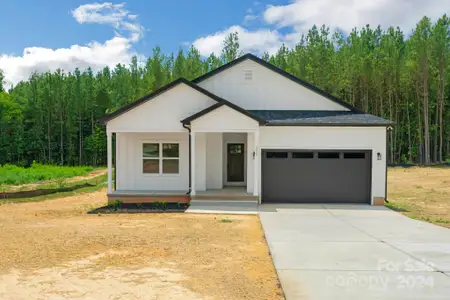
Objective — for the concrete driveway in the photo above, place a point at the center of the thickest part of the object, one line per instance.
(356, 252)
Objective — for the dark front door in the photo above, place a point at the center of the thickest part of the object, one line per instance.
(235, 162)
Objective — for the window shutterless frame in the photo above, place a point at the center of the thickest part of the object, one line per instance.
(166, 154)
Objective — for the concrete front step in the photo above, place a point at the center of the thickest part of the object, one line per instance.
(240, 207)
(237, 197)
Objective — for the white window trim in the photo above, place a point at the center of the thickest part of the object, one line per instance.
(160, 158)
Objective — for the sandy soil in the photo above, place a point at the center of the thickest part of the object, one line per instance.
(423, 193)
(54, 250)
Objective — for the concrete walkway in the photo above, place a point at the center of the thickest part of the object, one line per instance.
(356, 252)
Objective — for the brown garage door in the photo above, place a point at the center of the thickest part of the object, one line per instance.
(316, 176)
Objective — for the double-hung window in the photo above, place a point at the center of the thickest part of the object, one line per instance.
(160, 158)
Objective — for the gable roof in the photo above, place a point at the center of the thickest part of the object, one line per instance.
(224, 102)
(158, 92)
(280, 72)
(354, 117)
(318, 118)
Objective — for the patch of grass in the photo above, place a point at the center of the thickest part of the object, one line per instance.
(14, 175)
(94, 181)
(421, 193)
(225, 221)
(400, 207)
(442, 221)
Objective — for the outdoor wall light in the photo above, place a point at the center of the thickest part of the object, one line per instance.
(379, 156)
(254, 154)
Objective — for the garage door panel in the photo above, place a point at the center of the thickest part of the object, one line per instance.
(323, 177)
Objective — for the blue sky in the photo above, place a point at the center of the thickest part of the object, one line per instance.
(41, 35)
(167, 23)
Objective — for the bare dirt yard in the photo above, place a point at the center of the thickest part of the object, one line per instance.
(421, 193)
(54, 250)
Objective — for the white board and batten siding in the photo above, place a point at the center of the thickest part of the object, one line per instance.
(162, 113)
(333, 138)
(130, 176)
(264, 90)
(156, 121)
(224, 119)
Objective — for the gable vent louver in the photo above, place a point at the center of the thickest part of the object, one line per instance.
(248, 75)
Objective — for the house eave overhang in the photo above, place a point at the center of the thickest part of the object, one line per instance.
(105, 119)
(211, 108)
(327, 124)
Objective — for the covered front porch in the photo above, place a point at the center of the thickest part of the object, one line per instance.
(213, 156)
(223, 165)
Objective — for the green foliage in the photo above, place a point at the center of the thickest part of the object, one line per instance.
(225, 221)
(157, 204)
(52, 118)
(442, 221)
(14, 175)
(117, 204)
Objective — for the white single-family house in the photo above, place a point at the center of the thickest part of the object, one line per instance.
(247, 130)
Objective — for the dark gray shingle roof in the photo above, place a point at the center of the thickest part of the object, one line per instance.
(308, 117)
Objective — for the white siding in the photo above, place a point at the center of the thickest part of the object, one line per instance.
(163, 113)
(224, 119)
(214, 166)
(312, 138)
(129, 163)
(250, 161)
(200, 161)
(266, 90)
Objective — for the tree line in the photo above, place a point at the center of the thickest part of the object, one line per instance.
(53, 117)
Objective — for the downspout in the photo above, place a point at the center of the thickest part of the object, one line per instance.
(190, 180)
(388, 128)
(114, 138)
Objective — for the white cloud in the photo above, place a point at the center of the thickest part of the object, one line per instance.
(95, 54)
(248, 18)
(109, 13)
(250, 41)
(103, 13)
(300, 15)
(347, 14)
(37, 59)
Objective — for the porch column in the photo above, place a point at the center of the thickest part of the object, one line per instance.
(256, 163)
(109, 157)
(193, 142)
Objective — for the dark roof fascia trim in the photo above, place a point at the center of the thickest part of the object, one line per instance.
(220, 101)
(140, 101)
(327, 125)
(167, 87)
(203, 112)
(209, 109)
(280, 72)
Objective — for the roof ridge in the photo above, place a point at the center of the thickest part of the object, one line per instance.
(281, 72)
